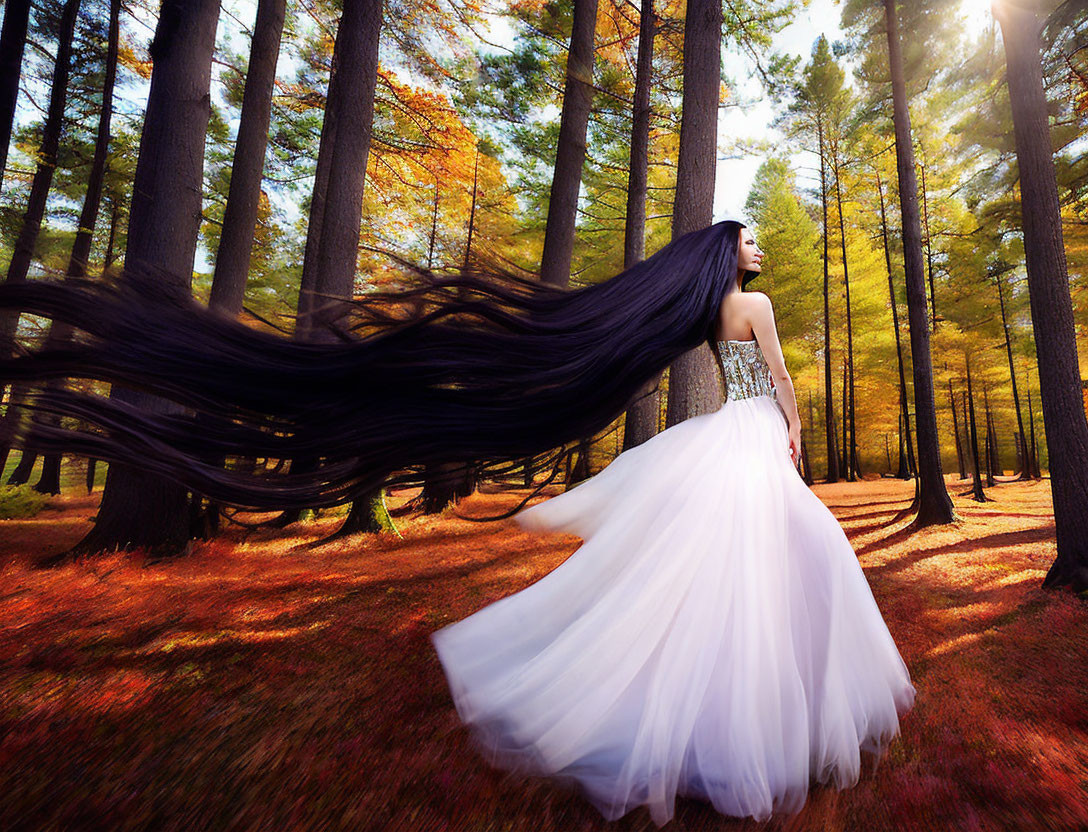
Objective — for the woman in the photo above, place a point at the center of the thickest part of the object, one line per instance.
(714, 636)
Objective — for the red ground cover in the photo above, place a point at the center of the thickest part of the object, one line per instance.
(262, 682)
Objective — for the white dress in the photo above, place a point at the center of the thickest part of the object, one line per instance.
(714, 636)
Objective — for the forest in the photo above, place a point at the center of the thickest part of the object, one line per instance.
(916, 174)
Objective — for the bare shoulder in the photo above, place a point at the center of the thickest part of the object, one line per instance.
(757, 303)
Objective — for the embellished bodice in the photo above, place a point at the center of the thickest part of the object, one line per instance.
(745, 370)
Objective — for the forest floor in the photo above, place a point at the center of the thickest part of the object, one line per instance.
(265, 682)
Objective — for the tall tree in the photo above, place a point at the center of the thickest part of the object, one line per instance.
(976, 469)
(571, 150)
(816, 107)
(933, 503)
(12, 43)
(694, 387)
(1048, 289)
(906, 464)
(19, 266)
(47, 163)
(355, 76)
(997, 273)
(139, 508)
(836, 140)
(641, 419)
(60, 332)
(240, 216)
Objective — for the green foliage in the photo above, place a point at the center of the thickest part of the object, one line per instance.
(18, 501)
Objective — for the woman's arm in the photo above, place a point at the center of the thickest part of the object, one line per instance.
(763, 326)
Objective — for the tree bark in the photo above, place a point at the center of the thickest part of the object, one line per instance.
(47, 164)
(240, 215)
(1035, 472)
(976, 469)
(929, 245)
(640, 420)
(829, 409)
(141, 509)
(933, 503)
(12, 43)
(694, 378)
(1048, 289)
(570, 152)
(852, 453)
(60, 332)
(355, 77)
(956, 430)
(991, 441)
(906, 463)
(1024, 472)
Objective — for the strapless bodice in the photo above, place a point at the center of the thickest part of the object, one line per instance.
(745, 369)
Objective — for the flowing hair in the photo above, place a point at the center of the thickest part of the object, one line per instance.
(486, 369)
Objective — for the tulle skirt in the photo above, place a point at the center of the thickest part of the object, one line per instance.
(714, 635)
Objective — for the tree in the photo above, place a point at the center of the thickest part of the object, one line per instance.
(932, 500)
(138, 508)
(12, 42)
(571, 149)
(240, 216)
(60, 332)
(693, 379)
(19, 266)
(1048, 288)
(47, 163)
(812, 115)
(355, 74)
(641, 419)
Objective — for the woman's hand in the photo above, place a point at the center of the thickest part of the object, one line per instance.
(795, 443)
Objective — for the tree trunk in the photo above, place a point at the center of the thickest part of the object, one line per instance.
(991, 444)
(847, 473)
(138, 508)
(59, 332)
(1035, 472)
(906, 463)
(1024, 472)
(570, 152)
(929, 246)
(695, 377)
(852, 454)
(933, 503)
(355, 76)
(976, 482)
(232, 259)
(829, 409)
(368, 514)
(47, 163)
(956, 430)
(640, 420)
(24, 469)
(12, 42)
(304, 320)
(1048, 289)
(240, 215)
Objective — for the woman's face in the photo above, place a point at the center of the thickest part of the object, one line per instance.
(749, 255)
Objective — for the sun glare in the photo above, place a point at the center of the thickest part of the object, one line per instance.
(977, 15)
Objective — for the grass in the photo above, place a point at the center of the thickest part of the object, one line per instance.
(266, 683)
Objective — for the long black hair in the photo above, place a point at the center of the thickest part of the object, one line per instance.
(481, 368)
